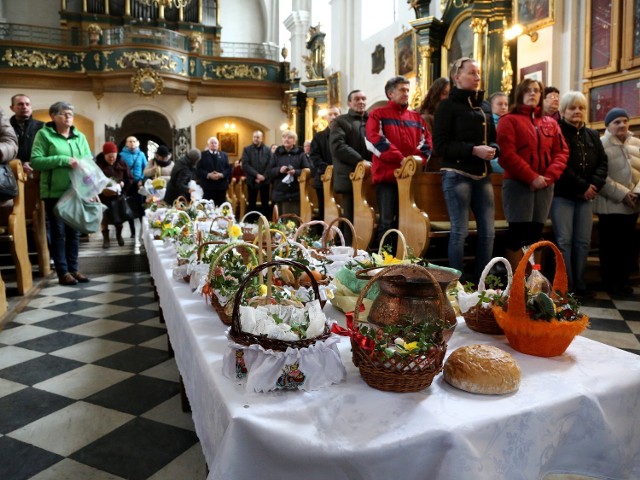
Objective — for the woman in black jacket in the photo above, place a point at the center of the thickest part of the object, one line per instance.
(284, 169)
(585, 175)
(464, 136)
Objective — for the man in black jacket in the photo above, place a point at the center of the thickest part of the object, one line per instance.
(255, 160)
(213, 173)
(347, 144)
(321, 156)
(25, 127)
(183, 172)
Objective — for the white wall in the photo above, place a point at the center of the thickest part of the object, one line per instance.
(243, 21)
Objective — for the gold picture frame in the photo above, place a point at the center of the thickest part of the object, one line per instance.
(333, 89)
(534, 14)
(405, 54)
(228, 142)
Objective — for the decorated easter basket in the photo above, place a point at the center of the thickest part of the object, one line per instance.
(397, 373)
(542, 338)
(480, 317)
(244, 338)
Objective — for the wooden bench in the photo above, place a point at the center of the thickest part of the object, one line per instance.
(364, 200)
(307, 194)
(423, 210)
(231, 194)
(241, 196)
(332, 209)
(13, 229)
(36, 224)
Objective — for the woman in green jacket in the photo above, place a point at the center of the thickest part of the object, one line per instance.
(57, 149)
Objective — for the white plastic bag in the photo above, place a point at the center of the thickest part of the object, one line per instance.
(87, 179)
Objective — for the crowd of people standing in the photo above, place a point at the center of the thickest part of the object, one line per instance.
(553, 167)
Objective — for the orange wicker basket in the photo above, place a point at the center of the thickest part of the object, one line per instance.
(537, 337)
(410, 373)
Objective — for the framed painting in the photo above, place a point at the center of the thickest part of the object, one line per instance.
(405, 53)
(333, 88)
(534, 14)
(228, 142)
(537, 71)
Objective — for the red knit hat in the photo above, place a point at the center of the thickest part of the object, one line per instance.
(109, 147)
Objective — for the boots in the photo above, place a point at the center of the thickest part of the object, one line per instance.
(105, 239)
(119, 235)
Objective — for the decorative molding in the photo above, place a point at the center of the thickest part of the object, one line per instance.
(234, 72)
(36, 59)
(147, 83)
(159, 61)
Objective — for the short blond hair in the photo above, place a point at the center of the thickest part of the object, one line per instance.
(290, 133)
(572, 98)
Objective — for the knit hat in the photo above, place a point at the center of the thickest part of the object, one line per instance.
(615, 113)
(162, 151)
(193, 155)
(109, 147)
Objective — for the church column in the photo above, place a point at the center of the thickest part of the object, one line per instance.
(298, 24)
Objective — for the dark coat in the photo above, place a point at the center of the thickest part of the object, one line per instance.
(218, 161)
(320, 155)
(26, 134)
(286, 192)
(178, 185)
(587, 164)
(119, 172)
(348, 147)
(462, 121)
(255, 160)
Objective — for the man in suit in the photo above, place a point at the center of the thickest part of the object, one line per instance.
(321, 156)
(255, 160)
(25, 127)
(214, 172)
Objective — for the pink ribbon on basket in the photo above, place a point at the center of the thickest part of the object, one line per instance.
(365, 342)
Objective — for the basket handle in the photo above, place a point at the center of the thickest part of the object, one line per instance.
(487, 269)
(227, 248)
(181, 203)
(354, 237)
(398, 269)
(235, 318)
(215, 219)
(400, 236)
(287, 243)
(306, 225)
(205, 244)
(244, 218)
(517, 304)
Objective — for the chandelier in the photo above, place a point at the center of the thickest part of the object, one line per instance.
(165, 3)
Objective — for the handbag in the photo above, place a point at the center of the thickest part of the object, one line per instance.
(84, 216)
(8, 183)
(120, 210)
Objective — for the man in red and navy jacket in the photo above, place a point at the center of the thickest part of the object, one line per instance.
(393, 133)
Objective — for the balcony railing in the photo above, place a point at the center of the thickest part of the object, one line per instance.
(131, 34)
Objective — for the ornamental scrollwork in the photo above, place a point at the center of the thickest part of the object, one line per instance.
(232, 72)
(35, 59)
(147, 59)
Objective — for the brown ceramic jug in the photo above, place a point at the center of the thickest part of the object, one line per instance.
(408, 291)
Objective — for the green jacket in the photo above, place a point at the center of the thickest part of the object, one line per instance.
(52, 153)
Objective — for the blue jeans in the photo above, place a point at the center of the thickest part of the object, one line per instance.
(463, 194)
(387, 200)
(572, 223)
(65, 241)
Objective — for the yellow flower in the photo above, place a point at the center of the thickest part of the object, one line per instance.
(234, 231)
(290, 225)
(168, 225)
(410, 346)
(407, 347)
(263, 290)
(390, 259)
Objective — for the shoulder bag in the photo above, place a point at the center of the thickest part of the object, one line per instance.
(8, 183)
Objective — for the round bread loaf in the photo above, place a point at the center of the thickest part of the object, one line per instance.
(482, 369)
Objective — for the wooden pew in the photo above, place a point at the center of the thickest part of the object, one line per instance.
(36, 223)
(423, 210)
(364, 214)
(241, 196)
(231, 194)
(13, 228)
(332, 209)
(305, 181)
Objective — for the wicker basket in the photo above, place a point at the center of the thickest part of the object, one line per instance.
(410, 373)
(225, 311)
(244, 338)
(481, 319)
(537, 337)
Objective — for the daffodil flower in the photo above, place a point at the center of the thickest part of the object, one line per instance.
(234, 231)
(290, 225)
(404, 346)
(263, 290)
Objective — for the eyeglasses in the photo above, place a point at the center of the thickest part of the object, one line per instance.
(534, 91)
(553, 96)
(66, 114)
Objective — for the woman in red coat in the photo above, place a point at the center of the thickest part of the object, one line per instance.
(534, 155)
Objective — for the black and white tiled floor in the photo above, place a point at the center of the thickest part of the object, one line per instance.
(88, 389)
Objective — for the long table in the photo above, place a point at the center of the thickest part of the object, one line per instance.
(576, 413)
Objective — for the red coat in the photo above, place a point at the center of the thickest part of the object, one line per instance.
(531, 146)
(393, 133)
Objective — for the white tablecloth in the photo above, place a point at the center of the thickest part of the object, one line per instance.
(578, 413)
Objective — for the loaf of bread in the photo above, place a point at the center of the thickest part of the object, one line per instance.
(482, 369)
